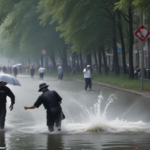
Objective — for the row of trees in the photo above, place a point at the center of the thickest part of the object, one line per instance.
(71, 27)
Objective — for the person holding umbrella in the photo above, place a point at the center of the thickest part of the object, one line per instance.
(4, 92)
(51, 101)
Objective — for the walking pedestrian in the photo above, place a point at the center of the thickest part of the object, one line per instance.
(51, 101)
(60, 72)
(15, 70)
(4, 69)
(41, 71)
(4, 92)
(32, 71)
(87, 77)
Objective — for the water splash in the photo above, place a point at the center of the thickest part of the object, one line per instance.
(96, 121)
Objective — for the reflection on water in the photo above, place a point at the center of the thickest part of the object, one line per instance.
(2, 140)
(54, 142)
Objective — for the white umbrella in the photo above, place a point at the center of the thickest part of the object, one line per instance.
(9, 79)
(17, 65)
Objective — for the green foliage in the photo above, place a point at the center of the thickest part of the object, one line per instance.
(82, 23)
(24, 36)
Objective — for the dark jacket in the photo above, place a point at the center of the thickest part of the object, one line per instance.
(49, 99)
(4, 92)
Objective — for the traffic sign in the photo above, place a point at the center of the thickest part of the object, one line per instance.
(142, 33)
(119, 49)
(43, 51)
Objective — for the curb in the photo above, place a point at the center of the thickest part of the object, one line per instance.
(144, 93)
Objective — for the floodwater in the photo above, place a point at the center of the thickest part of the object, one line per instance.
(103, 119)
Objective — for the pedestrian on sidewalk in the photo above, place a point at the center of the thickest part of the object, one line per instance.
(87, 77)
(51, 101)
(32, 71)
(4, 92)
(60, 72)
(41, 71)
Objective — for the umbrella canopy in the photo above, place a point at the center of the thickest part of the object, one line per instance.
(17, 65)
(9, 79)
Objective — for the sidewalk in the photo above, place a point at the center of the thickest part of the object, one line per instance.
(142, 93)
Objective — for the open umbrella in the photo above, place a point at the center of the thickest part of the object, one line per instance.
(9, 79)
(17, 65)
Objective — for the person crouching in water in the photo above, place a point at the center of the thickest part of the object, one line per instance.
(87, 77)
(51, 101)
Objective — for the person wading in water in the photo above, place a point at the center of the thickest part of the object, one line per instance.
(51, 101)
(4, 92)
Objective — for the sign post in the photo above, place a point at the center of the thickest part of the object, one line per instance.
(43, 52)
(142, 33)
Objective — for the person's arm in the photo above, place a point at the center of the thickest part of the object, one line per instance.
(12, 97)
(85, 70)
(58, 97)
(35, 105)
(29, 107)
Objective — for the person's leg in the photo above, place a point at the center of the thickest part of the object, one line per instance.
(42, 76)
(2, 125)
(2, 117)
(58, 124)
(90, 84)
(51, 127)
(61, 75)
(86, 84)
(50, 122)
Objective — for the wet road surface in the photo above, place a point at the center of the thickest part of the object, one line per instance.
(124, 126)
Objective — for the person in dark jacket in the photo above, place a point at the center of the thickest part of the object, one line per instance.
(4, 69)
(15, 70)
(32, 71)
(51, 101)
(4, 92)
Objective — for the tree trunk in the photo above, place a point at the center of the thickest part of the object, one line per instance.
(52, 57)
(116, 64)
(105, 61)
(29, 60)
(99, 60)
(131, 39)
(65, 62)
(47, 65)
(122, 43)
(81, 61)
(78, 68)
(41, 60)
(89, 61)
(61, 56)
(95, 57)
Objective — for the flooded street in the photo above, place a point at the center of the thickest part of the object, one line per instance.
(113, 122)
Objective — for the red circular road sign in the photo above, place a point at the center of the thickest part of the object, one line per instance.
(43, 51)
(142, 33)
